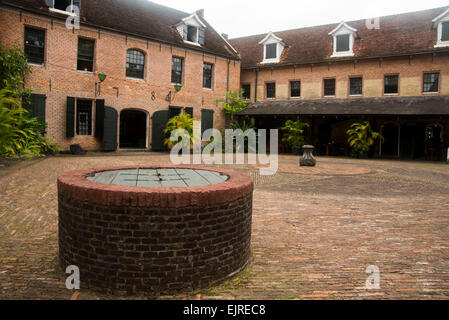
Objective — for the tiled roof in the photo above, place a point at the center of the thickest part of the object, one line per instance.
(136, 17)
(407, 106)
(403, 34)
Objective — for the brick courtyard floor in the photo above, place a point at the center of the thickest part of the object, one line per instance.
(315, 231)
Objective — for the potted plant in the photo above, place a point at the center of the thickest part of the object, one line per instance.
(361, 138)
(294, 134)
(181, 122)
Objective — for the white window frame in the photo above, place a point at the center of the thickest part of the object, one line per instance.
(341, 30)
(52, 9)
(271, 38)
(195, 22)
(438, 25)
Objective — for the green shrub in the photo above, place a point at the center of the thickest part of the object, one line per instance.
(294, 133)
(181, 122)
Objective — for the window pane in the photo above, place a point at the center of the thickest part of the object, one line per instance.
(271, 51)
(445, 34)
(431, 82)
(329, 87)
(34, 45)
(135, 64)
(192, 34)
(271, 90)
(62, 4)
(391, 84)
(176, 74)
(295, 89)
(207, 76)
(355, 86)
(343, 43)
(246, 91)
(84, 118)
(86, 55)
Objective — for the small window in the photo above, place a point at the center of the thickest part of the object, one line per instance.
(295, 89)
(271, 51)
(62, 5)
(135, 64)
(355, 86)
(431, 82)
(271, 90)
(176, 73)
(207, 76)
(391, 85)
(445, 31)
(246, 91)
(192, 34)
(84, 118)
(35, 45)
(343, 43)
(329, 87)
(86, 55)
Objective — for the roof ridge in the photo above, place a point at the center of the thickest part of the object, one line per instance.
(336, 23)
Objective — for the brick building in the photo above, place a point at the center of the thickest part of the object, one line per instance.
(114, 82)
(393, 72)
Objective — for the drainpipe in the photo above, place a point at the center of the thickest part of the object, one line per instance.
(255, 88)
(227, 83)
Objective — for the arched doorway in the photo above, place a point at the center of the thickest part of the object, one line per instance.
(133, 129)
(390, 145)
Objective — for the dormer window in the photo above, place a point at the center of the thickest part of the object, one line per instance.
(192, 30)
(273, 48)
(64, 6)
(441, 24)
(343, 40)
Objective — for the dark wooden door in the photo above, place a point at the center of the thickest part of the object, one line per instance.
(160, 119)
(110, 130)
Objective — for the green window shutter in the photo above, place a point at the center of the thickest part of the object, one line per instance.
(201, 36)
(207, 120)
(445, 31)
(36, 106)
(70, 117)
(99, 118)
(189, 110)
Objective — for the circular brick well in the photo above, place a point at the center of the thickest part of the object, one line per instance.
(128, 239)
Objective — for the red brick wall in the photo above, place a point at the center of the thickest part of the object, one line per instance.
(58, 78)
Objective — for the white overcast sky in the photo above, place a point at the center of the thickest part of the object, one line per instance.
(248, 17)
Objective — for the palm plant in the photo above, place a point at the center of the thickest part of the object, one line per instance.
(180, 122)
(11, 136)
(361, 138)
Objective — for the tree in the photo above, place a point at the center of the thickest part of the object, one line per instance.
(20, 134)
(13, 70)
(234, 103)
(361, 138)
(294, 133)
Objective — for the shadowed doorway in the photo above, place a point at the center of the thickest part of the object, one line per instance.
(133, 129)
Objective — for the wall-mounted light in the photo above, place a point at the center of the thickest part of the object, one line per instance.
(101, 77)
(171, 96)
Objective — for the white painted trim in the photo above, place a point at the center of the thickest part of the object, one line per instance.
(441, 44)
(441, 16)
(192, 43)
(270, 35)
(194, 16)
(342, 25)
